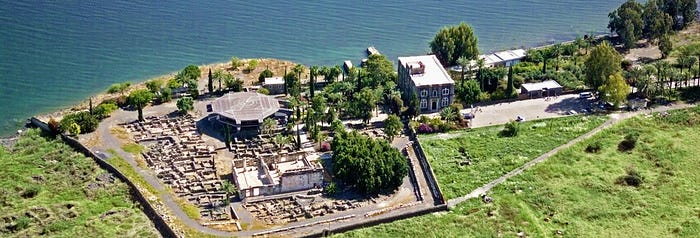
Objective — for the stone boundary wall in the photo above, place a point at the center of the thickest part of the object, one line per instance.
(414, 180)
(150, 211)
(374, 222)
(427, 170)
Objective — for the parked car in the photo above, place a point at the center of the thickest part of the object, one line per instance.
(585, 95)
(519, 119)
(469, 115)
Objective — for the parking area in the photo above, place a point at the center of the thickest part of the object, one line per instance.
(531, 109)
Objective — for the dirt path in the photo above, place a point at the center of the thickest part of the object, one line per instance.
(614, 118)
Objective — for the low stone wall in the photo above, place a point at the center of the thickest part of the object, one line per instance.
(341, 229)
(427, 170)
(150, 211)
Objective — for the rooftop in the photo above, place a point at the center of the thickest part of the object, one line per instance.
(274, 80)
(433, 72)
(245, 106)
(541, 85)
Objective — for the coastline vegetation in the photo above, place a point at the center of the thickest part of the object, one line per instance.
(37, 200)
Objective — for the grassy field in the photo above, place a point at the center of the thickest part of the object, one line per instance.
(580, 194)
(494, 155)
(47, 189)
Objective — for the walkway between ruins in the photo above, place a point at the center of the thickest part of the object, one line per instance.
(614, 118)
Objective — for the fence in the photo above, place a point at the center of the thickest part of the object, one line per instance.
(148, 209)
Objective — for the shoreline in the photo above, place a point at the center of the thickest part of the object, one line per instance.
(97, 98)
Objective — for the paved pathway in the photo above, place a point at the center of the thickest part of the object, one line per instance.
(614, 118)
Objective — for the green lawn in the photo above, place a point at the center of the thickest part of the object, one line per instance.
(494, 155)
(579, 194)
(47, 189)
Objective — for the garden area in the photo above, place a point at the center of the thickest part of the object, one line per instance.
(646, 190)
(36, 199)
(491, 152)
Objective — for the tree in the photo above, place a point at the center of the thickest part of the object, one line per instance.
(313, 72)
(453, 42)
(602, 62)
(291, 82)
(370, 166)
(509, 87)
(139, 99)
(392, 126)
(210, 83)
(264, 74)
(682, 11)
(252, 64)
(656, 22)
(269, 125)
(229, 189)
(219, 75)
(235, 63)
(380, 71)
(627, 22)
(396, 104)
(185, 105)
(363, 104)
(413, 107)
(166, 94)
(191, 72)
(449, 114)
(665, 46)
(463, 63)
(469, 93)
(232, 83)
(615, 90)
(154, 85)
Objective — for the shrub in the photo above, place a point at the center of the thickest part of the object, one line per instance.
(103, 110)
(86, 122)
(325, 146)
(331, 189)
(425, 128)
(21, 223)
(511, 129)
(594, 147)
(633, 178)
(629, 142)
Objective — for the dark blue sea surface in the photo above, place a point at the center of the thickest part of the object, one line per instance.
(57, 53)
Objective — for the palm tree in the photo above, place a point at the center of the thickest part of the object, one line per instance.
(449, 114)
(229, 189)
(463, 62)
(268, 125)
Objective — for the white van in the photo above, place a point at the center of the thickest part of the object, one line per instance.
(585, 95)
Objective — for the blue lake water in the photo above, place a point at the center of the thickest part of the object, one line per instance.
(57, 53)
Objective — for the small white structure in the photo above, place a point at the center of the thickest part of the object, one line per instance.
(542, 89)
(275, 85)
(503, 58)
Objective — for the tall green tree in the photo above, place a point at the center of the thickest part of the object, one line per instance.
(210, 83)
(392, 126)
(364, 104)
(615, 89)
(269, 125)
(139, 99)
(413, 106)
(469, 92)
(453, 42)
(602, 62)
(313, 72)
(681, 11)
(627, 22)
(656, 22)
(665, 46)
(368, 165)
(191, 72)
(509, 87)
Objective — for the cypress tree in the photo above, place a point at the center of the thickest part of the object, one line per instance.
(228, 136)
(211, 82)
(509, 89)
(285, 80)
